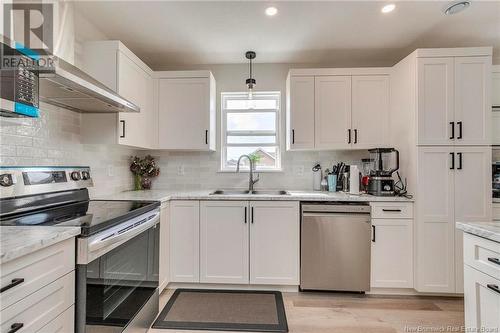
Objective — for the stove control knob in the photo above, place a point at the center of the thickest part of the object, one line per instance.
(85, 175)
(6, 180)
(387, 187)
(75, 175)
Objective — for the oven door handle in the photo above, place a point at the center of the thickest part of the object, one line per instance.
(132, 232)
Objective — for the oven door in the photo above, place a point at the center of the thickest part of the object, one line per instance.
(113, 288)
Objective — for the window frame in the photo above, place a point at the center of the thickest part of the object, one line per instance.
(225, 133)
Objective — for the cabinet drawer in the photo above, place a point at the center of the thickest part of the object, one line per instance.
(482, 254)
(35, 270)
(392, 210)
(64, 323)
(41, 307)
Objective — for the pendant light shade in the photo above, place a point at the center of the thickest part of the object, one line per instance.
(250, 82)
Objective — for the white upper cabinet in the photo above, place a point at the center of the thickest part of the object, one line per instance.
(300, 113)
(454, 100)
(337, 108)
(274, 242)
(224, 242)
(332, 115)
(186, 107)
(473, 100)
(370, 111)
(117, 67)
(137, 86)
(435, 101)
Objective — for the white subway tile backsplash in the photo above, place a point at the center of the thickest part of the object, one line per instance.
(54, 139)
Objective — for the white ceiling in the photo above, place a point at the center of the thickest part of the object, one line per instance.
(338, 33)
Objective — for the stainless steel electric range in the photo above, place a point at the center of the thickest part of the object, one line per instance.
(117, 251)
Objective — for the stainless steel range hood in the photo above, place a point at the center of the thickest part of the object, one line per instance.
(66, 86)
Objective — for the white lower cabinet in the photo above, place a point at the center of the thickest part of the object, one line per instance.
(185, 241)
(64, 323)
(164, 257)
(481, 301)
(274, 242)
(224, 242)
(392, 253)
(234, 242)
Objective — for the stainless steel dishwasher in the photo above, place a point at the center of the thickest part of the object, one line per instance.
(335, 247)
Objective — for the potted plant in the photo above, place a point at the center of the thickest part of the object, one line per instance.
(143, 169)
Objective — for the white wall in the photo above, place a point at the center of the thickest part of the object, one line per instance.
(201, 170)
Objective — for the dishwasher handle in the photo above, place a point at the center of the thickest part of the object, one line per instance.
(330, 214)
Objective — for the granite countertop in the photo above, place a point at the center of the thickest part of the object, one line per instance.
(488, 230)
(19, 241)
(165, 195)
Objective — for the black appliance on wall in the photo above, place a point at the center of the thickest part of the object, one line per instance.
(385, 163)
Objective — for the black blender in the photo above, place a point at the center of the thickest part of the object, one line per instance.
(385, 163)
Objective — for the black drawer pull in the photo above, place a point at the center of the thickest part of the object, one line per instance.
(14, 283)
(251, 215)
(494, 260)
(391, 210)
(460, 129)
(452, 124)
(459, 161)
(15, 327)
(293, 136)
(349, 136)
(452, 161)
(373, 234)
(355, 136)
(245, 215)
(206, 137)
(493, 287)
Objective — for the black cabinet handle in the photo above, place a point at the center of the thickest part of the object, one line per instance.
(349, 135)
(355, 136)
(293, 136)
(12, 284)
(206, 137)
(459, 123)
(251, 215)
(373, 233)
(15, 327)
(493, 287)
(452, 161)
(245, 215)
(391, 210)
(459, 161)
(494, 260)
(452, 124)
(123, 128)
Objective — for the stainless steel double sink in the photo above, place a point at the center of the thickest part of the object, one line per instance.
(247, 192)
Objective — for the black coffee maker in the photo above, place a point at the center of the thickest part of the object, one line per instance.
(385, 163)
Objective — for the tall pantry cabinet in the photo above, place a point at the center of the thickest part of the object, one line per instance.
(440, 122)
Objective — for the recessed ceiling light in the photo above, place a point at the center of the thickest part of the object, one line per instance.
(456, 7)
(271, 11)
(388, 8)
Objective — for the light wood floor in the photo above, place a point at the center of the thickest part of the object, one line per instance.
(344, 313)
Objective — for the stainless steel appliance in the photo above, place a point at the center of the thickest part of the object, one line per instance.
(496, 179)
(335, 247)
(117, 251)
(57, 82)
(385, 163)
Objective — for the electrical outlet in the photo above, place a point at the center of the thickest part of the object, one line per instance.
(111, 171)
(181, 170)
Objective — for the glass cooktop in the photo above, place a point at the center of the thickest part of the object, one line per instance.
(92, 216)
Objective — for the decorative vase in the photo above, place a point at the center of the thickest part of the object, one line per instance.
(137, 182)
(146, 183)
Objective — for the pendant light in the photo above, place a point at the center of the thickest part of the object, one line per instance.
(250, 82)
